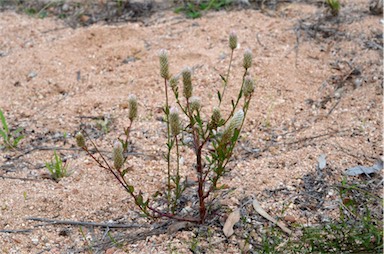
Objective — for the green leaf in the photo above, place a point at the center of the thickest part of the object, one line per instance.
(215, 156)
(43, 14)
(17, 131)
(4, 122)
(143, 215)
(203, 6)
(4, 135)
(140, 199)
(235, 136)
(179, 9)
(157, 193)
(219, 95)
(145, 204)
(192, 14)
(57, 158)
(221, 122)
(166, 110)
(17, 140)
(223, 78)
(170, 145)
(49, 167)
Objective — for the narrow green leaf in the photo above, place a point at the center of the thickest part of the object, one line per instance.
(203, 6)
(4, 122)
(3, 134)
(219, 95)
(17, 140)
(235, 136)
(17, 131)
(140, 199)
(157, 193)
(166, 110)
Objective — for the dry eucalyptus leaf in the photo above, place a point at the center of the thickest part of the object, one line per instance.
(232, 219)
(358, 170)
(263, 213)
(322, 162)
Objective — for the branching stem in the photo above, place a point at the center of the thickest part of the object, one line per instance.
(227, 77)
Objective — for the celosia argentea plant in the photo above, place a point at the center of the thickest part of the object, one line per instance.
(213, 140)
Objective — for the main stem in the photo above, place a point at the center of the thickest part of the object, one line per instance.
(168, 145)
(199, 166)
(200, 191)
(177, 178)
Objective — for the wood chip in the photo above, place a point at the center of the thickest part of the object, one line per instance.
(232, 219)
(263, 213)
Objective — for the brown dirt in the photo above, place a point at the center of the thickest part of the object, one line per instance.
(319, 91)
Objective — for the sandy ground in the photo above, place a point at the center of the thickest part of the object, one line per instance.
(317, 93)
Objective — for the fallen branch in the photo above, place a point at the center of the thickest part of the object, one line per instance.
(16, 230)
(313, 137)
(258, 40)
(20, 178)
(333, 107)
(53, 148)
(131, 238)
(84, 223)
(302, 140)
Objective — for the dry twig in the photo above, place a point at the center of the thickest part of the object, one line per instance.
(84, 223)
(28, 230)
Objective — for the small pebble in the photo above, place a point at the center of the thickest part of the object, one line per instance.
(65, 7)
(35, 241)
(289, 218)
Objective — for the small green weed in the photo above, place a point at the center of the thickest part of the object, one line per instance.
(357, 230)
(193, 9)
(334, 6)
(194, 245)
(57, 168)
(104, 124)
(353, 236)
(267, 121)
(115, 242)
(86, 241)
(30, 11)
(10, 138)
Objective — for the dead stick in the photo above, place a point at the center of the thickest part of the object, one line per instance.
(16, 230)
(311, 138)
(84, 223)
(258, 40)
(20, 178)
(44, 148)
(131, 238)
(334, 106)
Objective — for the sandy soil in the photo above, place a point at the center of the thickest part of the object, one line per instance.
(319, 91)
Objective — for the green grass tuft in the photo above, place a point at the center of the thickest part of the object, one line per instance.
(57, 168)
